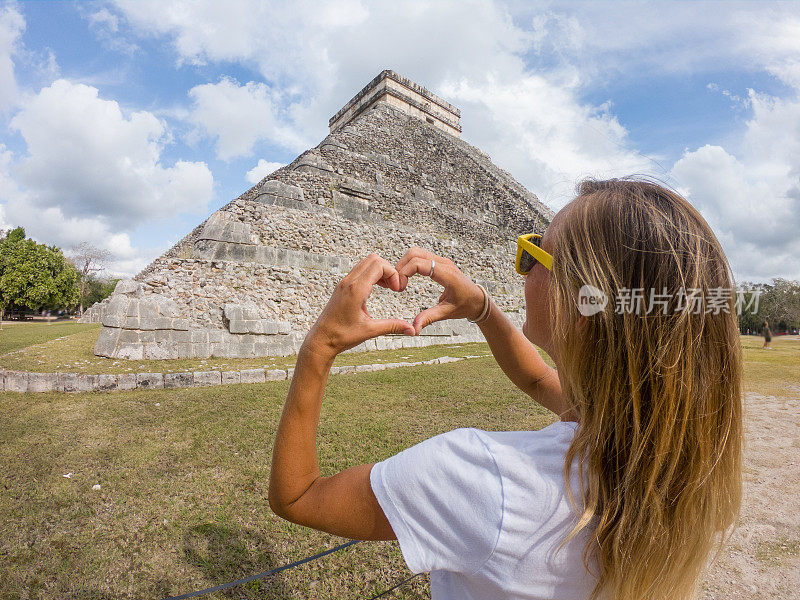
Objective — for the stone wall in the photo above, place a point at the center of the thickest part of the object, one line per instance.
(27, 382)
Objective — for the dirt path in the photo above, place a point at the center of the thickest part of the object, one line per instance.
(763, 557)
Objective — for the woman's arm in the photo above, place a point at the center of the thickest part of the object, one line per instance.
(523, 365)
(343, 504)
(514, 353)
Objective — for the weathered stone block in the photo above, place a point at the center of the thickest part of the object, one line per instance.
(162, 335)
(158, 351)
(224, 226)
(16, 381)
(180, 324)
(149, 380)
(199, 336)
(244, 350)
(106, 341)
(131, 351)
(85, 383)
(105, 382)
(133, 308)
(42, 382)
(127, 286)
(364, 368)
(181, 336)
(67, 382)
(126, 381)
(201, 350)
(224, 350)
(207, 377)
(282, 190)
(178, 380)
(252, 376)
(238, 326)
(129, 336)
(117, 305)
(275, 375)
(148, 323)
(114, 320)
(229, 377)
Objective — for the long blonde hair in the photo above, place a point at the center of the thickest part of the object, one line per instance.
(657, 393)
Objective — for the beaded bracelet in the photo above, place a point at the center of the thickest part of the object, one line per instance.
(487, 305)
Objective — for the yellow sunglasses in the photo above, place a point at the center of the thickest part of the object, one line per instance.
(529, 253)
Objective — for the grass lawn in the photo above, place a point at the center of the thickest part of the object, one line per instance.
(771, 372)
(17, 335)
(73, 353)
(184, 477)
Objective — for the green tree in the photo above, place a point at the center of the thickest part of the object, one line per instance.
(34, 276)
(97, 289)
(778, 303)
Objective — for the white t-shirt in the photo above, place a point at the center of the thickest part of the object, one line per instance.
(485, 511)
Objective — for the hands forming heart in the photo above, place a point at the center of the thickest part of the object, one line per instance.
(345, 321)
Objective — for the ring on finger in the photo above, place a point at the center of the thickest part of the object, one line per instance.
(433, 264)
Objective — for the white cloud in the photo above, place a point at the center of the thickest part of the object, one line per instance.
(91, 160)
(52, 226)
(239, 116)
(276, 37)
(262, 169)
(541, 133)
(106, 27)
(751, 194)
(12, 24)
(93, 173)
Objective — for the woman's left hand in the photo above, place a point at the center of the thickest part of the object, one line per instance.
(345, 322)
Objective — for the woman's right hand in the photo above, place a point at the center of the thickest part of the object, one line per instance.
(461, 298)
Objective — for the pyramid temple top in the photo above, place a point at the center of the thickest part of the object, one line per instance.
(404, 94)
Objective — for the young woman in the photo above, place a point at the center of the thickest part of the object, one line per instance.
(627, 494)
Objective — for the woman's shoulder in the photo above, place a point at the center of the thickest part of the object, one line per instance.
(540, 446)
(559, 430)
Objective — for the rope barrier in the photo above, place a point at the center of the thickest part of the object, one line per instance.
(395, 586)
(297, 563)
(225, 586)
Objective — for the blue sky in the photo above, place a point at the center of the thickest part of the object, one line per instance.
(126, 123)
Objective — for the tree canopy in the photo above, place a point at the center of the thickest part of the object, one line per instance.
(34, 276)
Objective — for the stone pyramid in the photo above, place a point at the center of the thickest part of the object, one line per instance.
(393, 173)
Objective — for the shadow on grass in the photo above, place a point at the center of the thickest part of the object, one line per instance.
(225, 554)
